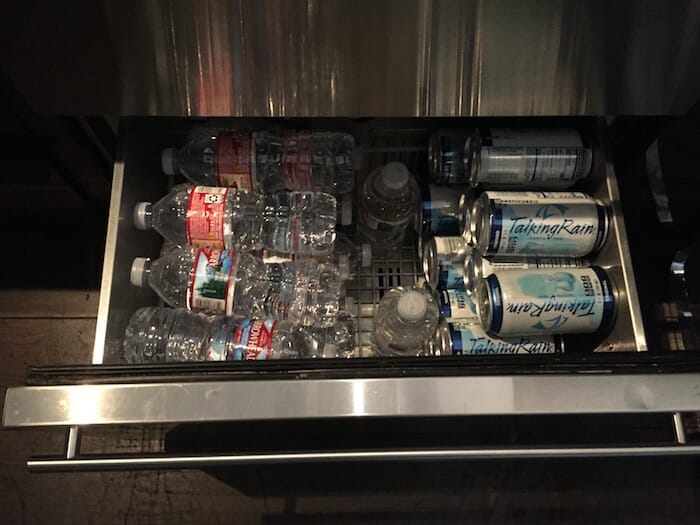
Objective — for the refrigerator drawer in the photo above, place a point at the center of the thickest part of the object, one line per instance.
(600, 374)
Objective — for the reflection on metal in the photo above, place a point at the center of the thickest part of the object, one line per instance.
(349, 398)
(406, 57)
(103, 463)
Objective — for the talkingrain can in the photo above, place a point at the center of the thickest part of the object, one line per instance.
(439, 213)
(526, 158)
(446, 157)
(468, 338)
(558, 224)
(477, 267)
(456, 305)
(443, 254)
(553, 301)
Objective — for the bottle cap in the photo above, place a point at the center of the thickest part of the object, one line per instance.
(365, 255)
(142, 213)
(344, 266)
(346, 210)
(167, 161)
(395, 175)
(139, 270)
(412, 306)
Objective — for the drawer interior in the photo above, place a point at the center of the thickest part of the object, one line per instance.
(138, 177)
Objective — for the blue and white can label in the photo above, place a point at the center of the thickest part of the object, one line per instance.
(555, 228)
(440, 210)
(470, 339)
(456, 305)
(450, 277)
(553, 301)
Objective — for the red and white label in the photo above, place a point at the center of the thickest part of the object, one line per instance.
(212, 288)
(234, 161)
(298, 155)
(205, 217)
(255, 337)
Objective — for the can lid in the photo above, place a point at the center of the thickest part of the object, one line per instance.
(472, 157)
(430, 267)
(479, 225)
(412, 306)
(470, 277)
(395, 175)
(142, 215)
(167, 161)
(443, 340)
(139, 271)
(483, 305)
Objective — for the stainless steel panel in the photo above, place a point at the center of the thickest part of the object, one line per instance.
(306, 399)
(103, 463)
(406, 57)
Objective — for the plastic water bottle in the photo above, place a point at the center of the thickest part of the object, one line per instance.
(405, 322)
(238, 283)
(264, 162)
(291, 222)
(174, 334)
(206, 280)
(337, 340)
(387, 205)
(350, 256)
(304, 292)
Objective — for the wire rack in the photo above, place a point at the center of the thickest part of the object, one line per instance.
(399, 267)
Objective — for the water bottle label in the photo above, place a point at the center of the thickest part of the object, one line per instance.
(248, 339)
(212, 287)
(296, 162)
(234, 161)
(205, 217)
(252, 339)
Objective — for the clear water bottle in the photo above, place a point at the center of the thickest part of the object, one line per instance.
(387, 205)
(291, 222)
(303, 292)
(405, 322)
(156, 335)
(350, 257)
(206, 280)
(238, 283)
(264, 162)
(337, 340)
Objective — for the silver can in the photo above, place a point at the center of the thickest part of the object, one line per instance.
(446, 157)
(440, 212)
(554, 224)
(527, 158)
(439, 253)
(455, 305)
(464, 338)
(476, 267)
(542, 302)
(466, 201)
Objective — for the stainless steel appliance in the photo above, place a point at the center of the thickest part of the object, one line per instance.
(426, 59)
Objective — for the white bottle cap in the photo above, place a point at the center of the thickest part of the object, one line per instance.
(366, 255)
(141, 214)
(412, 306)
(167, 161)
(395, 175)
(344, 266)
(138, 271)
(346, 210)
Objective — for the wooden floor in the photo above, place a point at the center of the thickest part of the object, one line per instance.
(55, 327)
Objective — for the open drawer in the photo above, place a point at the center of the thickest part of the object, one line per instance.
(606, 374)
